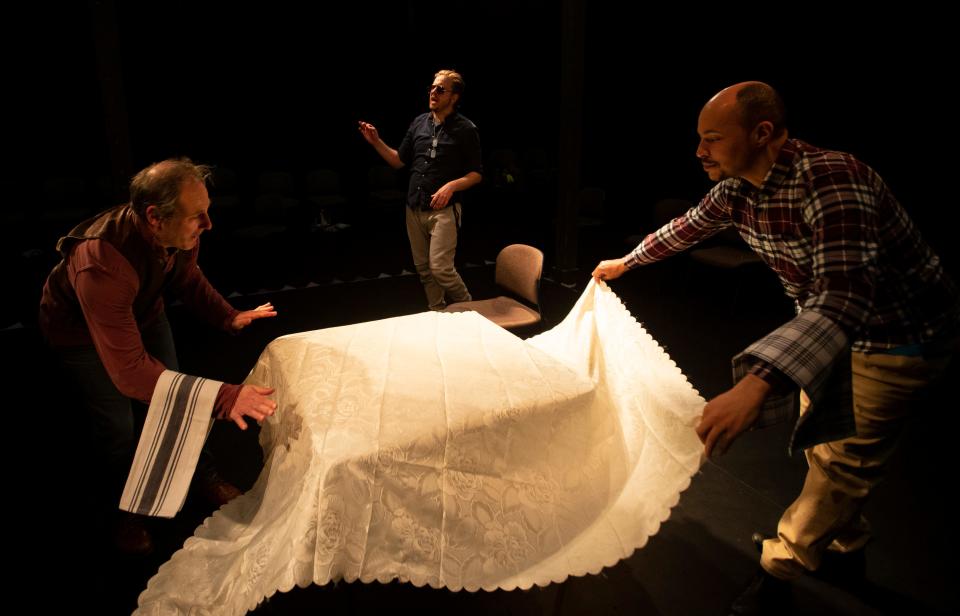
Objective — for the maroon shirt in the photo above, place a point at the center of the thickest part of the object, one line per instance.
(89, 298)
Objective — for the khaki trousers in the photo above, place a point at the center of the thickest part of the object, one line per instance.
(433, 243)
(826, 515)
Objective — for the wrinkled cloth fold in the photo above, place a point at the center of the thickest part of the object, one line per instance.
(440, 449)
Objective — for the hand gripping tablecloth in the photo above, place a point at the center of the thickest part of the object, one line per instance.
(440, 449)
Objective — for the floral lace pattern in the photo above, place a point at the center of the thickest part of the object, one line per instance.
(440, 449)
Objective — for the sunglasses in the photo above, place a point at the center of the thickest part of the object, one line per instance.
(438, 89)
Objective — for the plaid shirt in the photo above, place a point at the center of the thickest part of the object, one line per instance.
(846, 251)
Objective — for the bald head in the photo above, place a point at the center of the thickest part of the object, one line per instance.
(751, 102)
(741, 132)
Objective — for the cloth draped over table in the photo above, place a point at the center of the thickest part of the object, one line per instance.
(440, 449)
(177, 424)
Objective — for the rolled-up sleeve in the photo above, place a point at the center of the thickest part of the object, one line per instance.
(813, 352)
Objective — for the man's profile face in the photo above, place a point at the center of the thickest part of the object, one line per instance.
(725, 149)
(183, 229)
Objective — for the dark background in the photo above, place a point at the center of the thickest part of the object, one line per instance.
(95, 91)
(101, 89)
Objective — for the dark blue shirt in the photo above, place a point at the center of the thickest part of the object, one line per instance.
(457, 154)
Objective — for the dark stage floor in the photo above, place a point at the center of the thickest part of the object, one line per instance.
(696, 564)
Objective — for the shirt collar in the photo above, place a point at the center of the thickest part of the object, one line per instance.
(775, 177)
(446, 121)
(781, 168)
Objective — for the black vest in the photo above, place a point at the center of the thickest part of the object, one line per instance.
(120, 227)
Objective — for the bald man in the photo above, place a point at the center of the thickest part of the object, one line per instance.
(877, 319)
(102, 311)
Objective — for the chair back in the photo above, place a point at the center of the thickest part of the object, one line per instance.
(518, 270)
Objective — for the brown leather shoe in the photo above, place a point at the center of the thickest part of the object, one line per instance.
(218, 492)
(130, 535)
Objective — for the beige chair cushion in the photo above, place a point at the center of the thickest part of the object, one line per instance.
(503, 311)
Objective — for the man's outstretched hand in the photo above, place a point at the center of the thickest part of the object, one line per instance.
(253, 403)
(729, 414)
(249, 316)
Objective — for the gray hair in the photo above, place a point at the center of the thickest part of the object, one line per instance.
(160, 183)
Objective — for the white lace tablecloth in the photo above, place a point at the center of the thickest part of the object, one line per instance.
(440, 449)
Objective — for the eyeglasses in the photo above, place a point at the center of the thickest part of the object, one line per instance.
(438, 89)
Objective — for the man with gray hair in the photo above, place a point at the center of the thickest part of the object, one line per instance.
(102, 312)
(442, 150)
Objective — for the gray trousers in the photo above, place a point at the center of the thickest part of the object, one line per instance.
(433, 243)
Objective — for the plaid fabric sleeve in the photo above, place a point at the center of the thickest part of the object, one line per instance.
(710, 216)
(776, 379)
(812, 351)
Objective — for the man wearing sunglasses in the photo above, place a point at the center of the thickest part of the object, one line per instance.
(442, 150)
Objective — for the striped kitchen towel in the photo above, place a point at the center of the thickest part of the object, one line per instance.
(178, 422)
